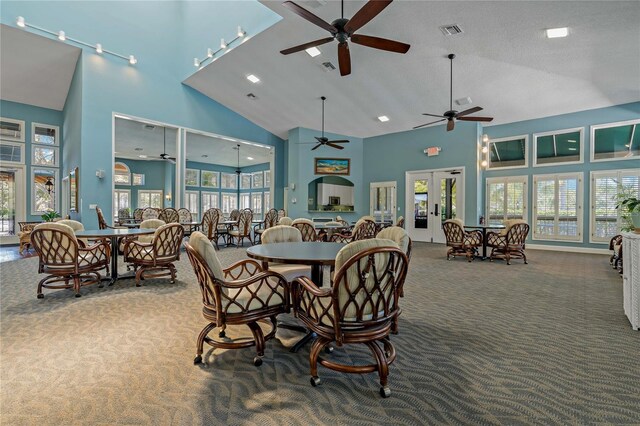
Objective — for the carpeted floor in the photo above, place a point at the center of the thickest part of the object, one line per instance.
(479, 343)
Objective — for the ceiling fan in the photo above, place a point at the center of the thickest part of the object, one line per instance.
(322, 140)
(343, 29)
(164, 156)
(452, 115)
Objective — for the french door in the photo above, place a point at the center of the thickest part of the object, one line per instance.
(432, 198)
(12, 203)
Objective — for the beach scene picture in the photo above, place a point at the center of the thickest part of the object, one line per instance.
(332, 166)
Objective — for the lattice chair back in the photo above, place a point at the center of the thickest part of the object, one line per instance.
(271, 218)
(364, 229)
(281, 213)
(517, 234)
(169, 215)
(167, 240)
(102, 223)
(453, 231)
(244, 222)
(209, 222)
(150, 213)
(286, 220)
(137, 214)
(306, 228)
(184, 215)
(56, 245)
(234, 215)
(281, 234)
(123, 213)
(400, 222)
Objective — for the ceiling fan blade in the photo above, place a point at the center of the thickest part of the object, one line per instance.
(433, 115)
(339, 141)
(433, 122)
(380, 43)
(344, 59)
(335, 146)
(316, 147)
(319, 139)
(300, 47)
(468, 111)
(475, 118)
(450, 124)
(304, 13)
(365, 14)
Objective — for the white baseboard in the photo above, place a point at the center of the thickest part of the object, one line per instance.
(589, 250)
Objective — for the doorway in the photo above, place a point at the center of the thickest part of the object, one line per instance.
(12, 203)
(433, 196)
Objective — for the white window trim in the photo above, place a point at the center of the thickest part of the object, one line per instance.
(508, 179)
(253, 177)
(22, 132)
(606, 126)
(49, 126)
(218, 179)
(250, 175)
(236, 179)
(199, 183)
(261, 201)
(230, 195)
(56, 188)
(128, 191)
(208, 194)
(197, 194)
(114, 174)
(592, 217)
(133, 175)
(56, 155)
(149, 191)
(559, 132)
(510, 138)
(579, 202)
(18, 144)
(264, 179)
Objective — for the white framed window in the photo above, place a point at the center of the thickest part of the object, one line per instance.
(12, 152)
(11, 130)
(137, 179)
(615, 141)
(267, 201)
(229, 202)
(506, 198)
(192, 202)
(121, 174)
(257, 180)
(121, 200)
(557, 207)
(44, 156)
(229, 180)
(558, 147)
(209, 179)
(245, 181)
(45, 134)
(606, 220)
(245, 201)
(209, 200)
(256, 203)
(508, 153)
(150, 198)
(192, 177)
(42, 200)
(267, 178)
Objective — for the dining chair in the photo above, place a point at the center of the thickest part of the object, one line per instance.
(460, 241)
(510, 242)
(123, 214)
(243, 229)
(102, 222)
(210, 227)
(137, 214)
(400, 222)
(364, 229)
(270, 219)
(286, 220)
(306, 228)
(285, 234)
(359, 307)
(242, 294)
(64, 260)
(169, 215)
(150, 213)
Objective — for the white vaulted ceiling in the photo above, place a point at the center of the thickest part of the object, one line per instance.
(504, 63)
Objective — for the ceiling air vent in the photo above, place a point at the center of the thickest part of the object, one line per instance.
(451, 29)
(328, 66)
(252, 96)
(149, 126)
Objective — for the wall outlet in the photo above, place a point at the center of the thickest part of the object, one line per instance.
(92, 206)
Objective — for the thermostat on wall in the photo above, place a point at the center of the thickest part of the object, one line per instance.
(432, 150)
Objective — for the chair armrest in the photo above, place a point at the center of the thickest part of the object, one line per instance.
(313, 305)
(99, 250)
(134, 247)
(238, 269)
(341, 238)
(255, 292)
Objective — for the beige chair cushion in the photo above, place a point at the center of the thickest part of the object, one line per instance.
(150, 224)
(353, 278)
(65, 243)
(508, 224)
(289, 271)
(285, 221)
(204, 248)
(457, 221)
(76, 226)
(303, 220)
(397, 235)
(281, 234)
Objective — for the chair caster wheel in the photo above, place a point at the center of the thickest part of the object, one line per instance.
(222, 334)
(78, 295)
(315, 381)
(385, 392)
(328, 349)
(197, 360)
(41, 296)
(257, 361)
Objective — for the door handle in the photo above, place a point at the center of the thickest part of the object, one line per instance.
(435, 210)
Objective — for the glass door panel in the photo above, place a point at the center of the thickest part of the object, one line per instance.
(7, 203)
(421, 204)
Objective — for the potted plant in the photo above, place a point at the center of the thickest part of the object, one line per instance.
(50, 215)
(630, 209)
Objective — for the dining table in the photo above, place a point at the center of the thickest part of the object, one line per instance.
(316, 254)
(114, 234)
(484, 228)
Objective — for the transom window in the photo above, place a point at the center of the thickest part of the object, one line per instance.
(44, 134)
(557, 207)
(44, 156)
(606, 220)
(11, 130)
(229, 181)
(192, 177)
(209, 179)
(615, 141)
(245, 181)
(557, 147)
(121, 174)
(258, 180)
(508, 153)
(11, 152)
(506, 198)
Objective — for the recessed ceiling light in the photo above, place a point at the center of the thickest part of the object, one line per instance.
(142, 156)
(557, 32)
(313, 51)
(252, 78)
(383, 118)
(249, 158)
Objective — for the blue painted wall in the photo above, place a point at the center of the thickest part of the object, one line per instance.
(152, 89)
(300, 169)
(72, 129)
(565, 121)
(31, 114)
(157, 176)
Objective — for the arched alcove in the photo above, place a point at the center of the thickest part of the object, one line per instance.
(331, 194)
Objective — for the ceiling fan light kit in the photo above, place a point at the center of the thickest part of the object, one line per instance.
(342, 30)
